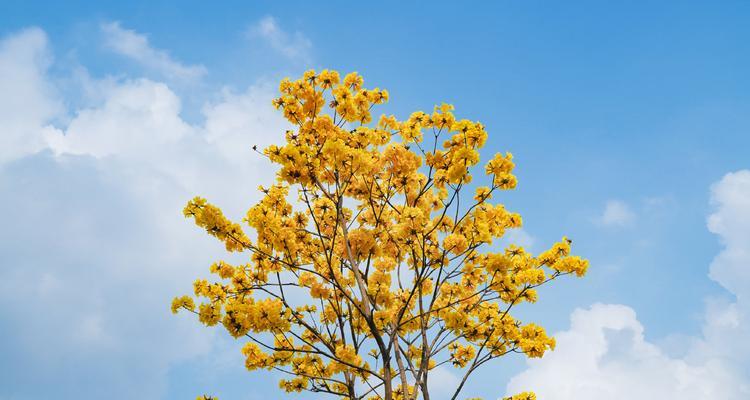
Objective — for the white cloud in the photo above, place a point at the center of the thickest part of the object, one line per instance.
(442, 383)
(242, 120)
(89, 266)
(95, 245)
(605, 355)
(616, 213)
(136, 46)
(28, 101)
(136, 117)
(731, 221)
(138, 123)
(294, 46)
(727, 324)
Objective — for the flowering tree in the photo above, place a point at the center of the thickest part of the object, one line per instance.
(382, 268)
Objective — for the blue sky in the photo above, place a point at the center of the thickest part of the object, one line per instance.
(630, 125)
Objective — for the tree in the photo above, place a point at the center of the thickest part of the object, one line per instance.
(383, 268)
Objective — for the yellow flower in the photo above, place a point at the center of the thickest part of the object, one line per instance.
(455, 243)
(353, 80)
(185, 302)
(500, 164)
(522, 396)
(461, 355)
(328, 79)
(483, 193)
(370, 242)
(209, 314)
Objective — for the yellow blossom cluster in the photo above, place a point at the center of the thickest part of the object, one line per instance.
(213, 221)
(461, 355)
(522, 396)
(370, 265)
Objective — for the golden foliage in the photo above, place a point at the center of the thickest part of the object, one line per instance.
(382, 267)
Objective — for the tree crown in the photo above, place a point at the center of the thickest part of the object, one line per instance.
(377, 267)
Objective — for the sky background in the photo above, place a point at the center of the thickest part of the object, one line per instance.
(629, 124)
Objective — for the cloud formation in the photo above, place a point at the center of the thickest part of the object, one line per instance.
(28, 102)
(616, 213)
(97, 245)
(294, 46)
(604, 354)
(136, 47)
(731, 222)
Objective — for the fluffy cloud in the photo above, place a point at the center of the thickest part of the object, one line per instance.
(138, 123)
(28, 102)
(294, 46)
(136, 116)
(136, 46)
(604, 353)
(604, 356)
(731, 221)
(727, 324)
(95, 245)
(88, 269)
(442, 383)
(616, 214)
